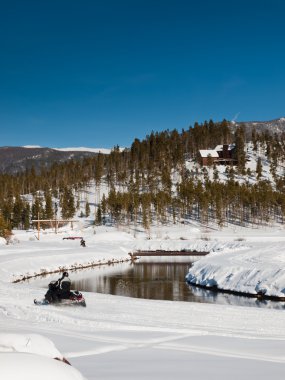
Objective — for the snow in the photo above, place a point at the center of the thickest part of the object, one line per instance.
(30, 356)
(210, 152)
(31, 146)
(257, 269)
(35, 367)
(28, 343)
(221, 147)
(85, 149)
(75, 149)
(118, 337)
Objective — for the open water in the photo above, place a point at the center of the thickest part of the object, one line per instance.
(151, 280)
(158, 281)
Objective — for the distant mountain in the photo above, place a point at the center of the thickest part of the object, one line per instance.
(83, 149)
(17, 159)
(273, 126)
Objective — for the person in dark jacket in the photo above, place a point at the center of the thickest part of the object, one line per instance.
(59, 289)
(64, 286)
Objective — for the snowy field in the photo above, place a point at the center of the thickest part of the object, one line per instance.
(124, 338)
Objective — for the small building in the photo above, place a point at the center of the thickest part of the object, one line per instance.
(221, 155)
(225, 150)
(208, 157)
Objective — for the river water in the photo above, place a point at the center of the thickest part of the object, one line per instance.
(151, 280)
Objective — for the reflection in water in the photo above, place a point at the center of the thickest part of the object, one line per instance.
(140, 280)
(209, 296)
(161, 281)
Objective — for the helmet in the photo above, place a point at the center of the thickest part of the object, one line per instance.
(65, 274)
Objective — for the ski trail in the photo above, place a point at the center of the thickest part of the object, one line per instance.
(165, 344)
(126, 344)
(223, 353)
(98, 351)
(178, 347)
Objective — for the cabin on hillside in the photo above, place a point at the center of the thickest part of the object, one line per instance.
(221, 155)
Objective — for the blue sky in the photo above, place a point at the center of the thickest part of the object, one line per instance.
(101, 73)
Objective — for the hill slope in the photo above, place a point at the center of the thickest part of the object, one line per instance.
(18, 159)
(276, 126)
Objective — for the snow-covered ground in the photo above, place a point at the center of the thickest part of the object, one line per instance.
(75, 149)
(84, 149)
(124, 338)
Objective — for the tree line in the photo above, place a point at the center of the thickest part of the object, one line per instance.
(149, 182)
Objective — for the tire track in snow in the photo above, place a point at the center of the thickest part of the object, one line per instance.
(223, 353)
(165, 344)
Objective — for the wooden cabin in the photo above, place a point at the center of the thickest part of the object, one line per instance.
(221, 155)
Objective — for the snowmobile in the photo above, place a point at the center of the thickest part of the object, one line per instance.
(59, 293)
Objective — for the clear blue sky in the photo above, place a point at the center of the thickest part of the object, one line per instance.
(101, 73)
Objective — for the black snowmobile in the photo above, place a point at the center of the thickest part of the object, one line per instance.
(59, 293)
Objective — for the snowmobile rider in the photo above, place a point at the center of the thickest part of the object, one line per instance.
(59, 289)
(65, 286)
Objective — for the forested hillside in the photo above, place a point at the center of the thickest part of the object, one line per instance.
(158, 180)
(18, 159)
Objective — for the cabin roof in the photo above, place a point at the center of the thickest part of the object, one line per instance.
(219, 148)
(209, 152)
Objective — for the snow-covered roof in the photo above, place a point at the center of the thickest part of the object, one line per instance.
(219, 148)
(209, 152)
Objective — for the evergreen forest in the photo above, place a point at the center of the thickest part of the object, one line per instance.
(157, 180)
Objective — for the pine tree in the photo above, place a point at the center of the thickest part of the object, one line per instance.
(37, 209)
(26, 216)
(87, 209)
(5, 230)
(49, 214)
(98, 219)
(240, 149)
(7, 208)
(254, 138)
(17, 213)
(258, 168)
(216, 175)
(104, 205)
(67, 204)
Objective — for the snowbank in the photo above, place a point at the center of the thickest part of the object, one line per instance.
(23, 366)
(240, 260)
(29, 343)
(31, 356)
(3, 241)
(151, 339)
(258, 270)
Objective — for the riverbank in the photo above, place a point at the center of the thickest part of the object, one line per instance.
(118, 337)
(241, 260)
